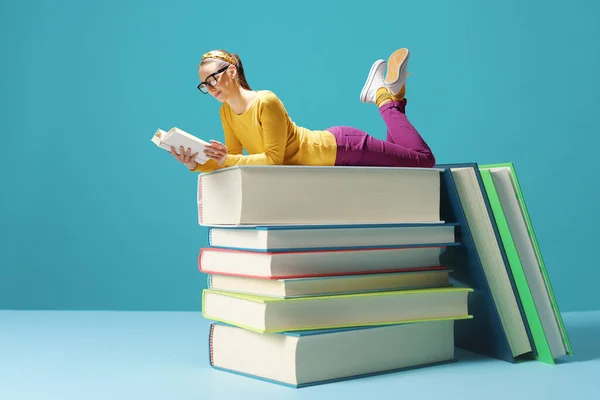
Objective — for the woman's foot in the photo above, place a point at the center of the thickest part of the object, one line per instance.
(383, 96)
(374, 81)
(395, 78)
(400, 95)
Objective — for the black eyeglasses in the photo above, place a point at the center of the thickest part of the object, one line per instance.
(210, 81)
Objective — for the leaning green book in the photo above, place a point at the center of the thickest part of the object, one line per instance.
(533, 319)
(526, 261)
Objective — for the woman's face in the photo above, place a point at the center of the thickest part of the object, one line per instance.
(218, 80)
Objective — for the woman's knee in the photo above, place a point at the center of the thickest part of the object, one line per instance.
(428, 160)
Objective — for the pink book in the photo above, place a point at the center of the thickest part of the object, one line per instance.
(322, 262)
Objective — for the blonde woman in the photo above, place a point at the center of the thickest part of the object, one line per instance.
(257, 121)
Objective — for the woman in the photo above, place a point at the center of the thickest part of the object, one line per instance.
(258, 122)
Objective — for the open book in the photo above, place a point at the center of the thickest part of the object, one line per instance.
(176, 137)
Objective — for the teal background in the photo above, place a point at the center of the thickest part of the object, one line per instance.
(94, 216)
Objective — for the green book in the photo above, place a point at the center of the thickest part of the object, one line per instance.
(533, 319)
(268, 315)
(526, 261)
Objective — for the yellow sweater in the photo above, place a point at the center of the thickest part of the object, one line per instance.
(270, 137)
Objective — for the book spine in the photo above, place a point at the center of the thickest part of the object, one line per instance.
(210, 234)
(210, 344)
(200, 261)
(200, 208)
(209, 281)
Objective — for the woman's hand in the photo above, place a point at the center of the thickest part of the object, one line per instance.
(216, 151)
(186, 158)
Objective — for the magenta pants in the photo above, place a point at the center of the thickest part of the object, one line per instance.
(403, 147)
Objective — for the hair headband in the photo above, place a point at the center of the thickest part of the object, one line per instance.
(220, 56)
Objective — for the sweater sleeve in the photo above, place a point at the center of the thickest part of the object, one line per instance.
(234, 146)
(273, 119)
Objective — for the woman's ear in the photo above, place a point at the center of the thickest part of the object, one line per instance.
(232, 71)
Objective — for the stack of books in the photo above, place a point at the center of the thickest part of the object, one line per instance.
(325, 273)
(318, 274)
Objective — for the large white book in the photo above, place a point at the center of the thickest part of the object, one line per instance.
(306, 358)
(262, 195)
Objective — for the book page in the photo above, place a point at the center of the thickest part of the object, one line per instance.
(177, 138)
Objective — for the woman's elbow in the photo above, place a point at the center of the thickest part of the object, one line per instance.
(274, 159)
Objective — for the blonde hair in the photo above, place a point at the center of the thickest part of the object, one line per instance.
(230, 58)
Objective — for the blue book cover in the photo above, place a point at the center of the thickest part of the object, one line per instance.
(331, 226)
(484, 333)
(324, 227)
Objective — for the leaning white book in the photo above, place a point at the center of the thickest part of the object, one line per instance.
(177, 138)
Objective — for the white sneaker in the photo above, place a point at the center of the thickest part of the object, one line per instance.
(374, 82)
(395, 78)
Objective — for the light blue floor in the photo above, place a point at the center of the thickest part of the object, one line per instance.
(135, 355)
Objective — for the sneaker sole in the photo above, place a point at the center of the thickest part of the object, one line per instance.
(365, 89)
(397, 64)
